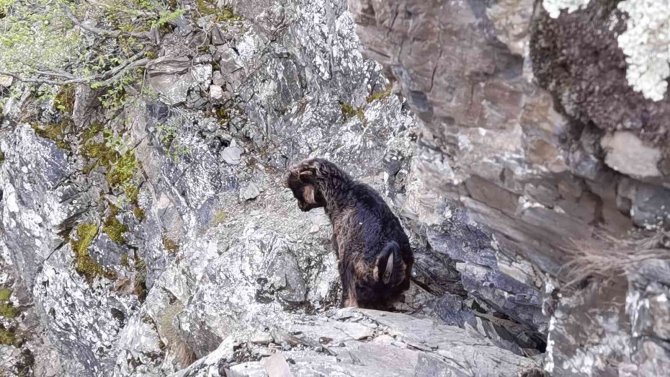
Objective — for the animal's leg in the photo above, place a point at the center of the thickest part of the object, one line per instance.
(349, 297)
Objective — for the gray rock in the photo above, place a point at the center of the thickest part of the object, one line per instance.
(250, 191)
(399, 345)
(525, 117)
(232, 155)
(215, 92)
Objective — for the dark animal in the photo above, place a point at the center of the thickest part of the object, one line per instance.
(374, 257)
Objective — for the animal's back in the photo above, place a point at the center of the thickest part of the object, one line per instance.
(382, 226)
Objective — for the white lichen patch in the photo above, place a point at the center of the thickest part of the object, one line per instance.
(646, 44)
(554, 7)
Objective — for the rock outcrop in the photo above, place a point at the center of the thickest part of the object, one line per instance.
(530, 122)
(143, 234)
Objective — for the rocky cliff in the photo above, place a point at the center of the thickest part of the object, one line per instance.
(146, 232)
(547, 122)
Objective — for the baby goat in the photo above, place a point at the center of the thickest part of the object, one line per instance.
(374, 257)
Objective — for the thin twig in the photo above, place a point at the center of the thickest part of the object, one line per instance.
(99, 31)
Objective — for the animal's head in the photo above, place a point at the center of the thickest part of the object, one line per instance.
(302, 180)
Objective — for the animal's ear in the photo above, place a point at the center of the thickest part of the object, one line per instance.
(385, 262)
(309, 194)
(305, 175)
(388, 270)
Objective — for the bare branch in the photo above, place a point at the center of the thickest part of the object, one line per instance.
(102, 32)
(104, 78)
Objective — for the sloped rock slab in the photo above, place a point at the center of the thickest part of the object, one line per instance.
(357, 342)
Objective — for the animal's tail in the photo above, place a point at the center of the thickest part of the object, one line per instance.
(387, 260)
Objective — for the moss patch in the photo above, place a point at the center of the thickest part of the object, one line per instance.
(55, 132)
(208, 7)
(84, 264)
(122, 171)
(7, 310)
(381, 94)
(350, 111)
(170, 245)
(138, 212)
(7, 337)
(113, 227)
(5, 293)
(64, 100)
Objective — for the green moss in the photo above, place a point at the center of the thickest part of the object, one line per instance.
(84, 264)
(132, 192)
(151, 54)
(5, 293)
(122, 171)
(7, 337)
(114, 228)
(208, 8)
(227, 14)
(64, 100)
(350, 111)
(2, 157)
(7, 310)
(221, 114)
(138, 212)
(170, 245)
(55, 132)
(380, 95)
(91, 132)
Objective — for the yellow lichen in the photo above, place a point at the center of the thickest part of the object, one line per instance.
(219, 217)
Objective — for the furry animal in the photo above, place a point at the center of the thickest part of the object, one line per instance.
(374, 256)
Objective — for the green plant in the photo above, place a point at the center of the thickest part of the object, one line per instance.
(350, 111)
(7, 310)
(84, 263)
(381, 94)
(113, 227)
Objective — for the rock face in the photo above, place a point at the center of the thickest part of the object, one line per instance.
(142, 236)
(530, 122)
(363, 343)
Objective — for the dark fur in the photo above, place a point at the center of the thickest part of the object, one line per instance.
(374, 257)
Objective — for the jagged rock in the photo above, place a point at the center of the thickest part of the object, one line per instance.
(393, 344)
(215, 92)
(231, 155)
(525, 116)
(627, 154)
(250, 191)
